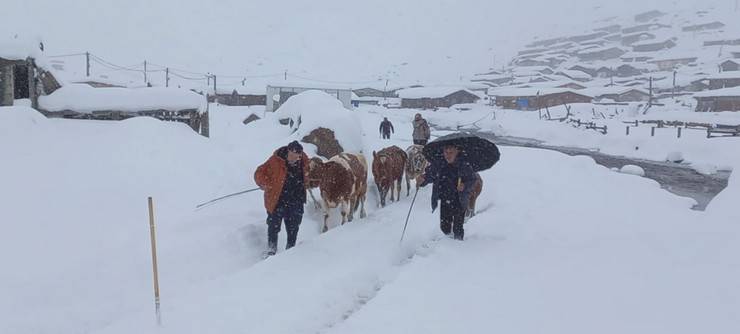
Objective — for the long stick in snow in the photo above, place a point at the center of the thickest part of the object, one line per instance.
(154, 262)
(224, 197)
(409, 215)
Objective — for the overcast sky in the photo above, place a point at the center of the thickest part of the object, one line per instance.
(428, 40)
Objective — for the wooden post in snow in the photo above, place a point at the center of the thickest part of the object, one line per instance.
(154, 261)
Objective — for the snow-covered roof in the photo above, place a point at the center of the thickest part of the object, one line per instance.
(576, 74)
(308, 85)
(734, 92)
(430, 92)
(611, 90)
(85, 99)
(513, 91)
(18, 48)
(725, 75)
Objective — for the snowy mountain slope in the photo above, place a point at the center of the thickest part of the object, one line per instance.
(328, 40)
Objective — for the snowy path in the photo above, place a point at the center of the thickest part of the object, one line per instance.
(561, 245)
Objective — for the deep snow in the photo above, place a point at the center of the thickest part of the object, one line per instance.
(560, 244)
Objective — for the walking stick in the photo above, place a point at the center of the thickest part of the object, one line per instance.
(409, 215)
(224, 197)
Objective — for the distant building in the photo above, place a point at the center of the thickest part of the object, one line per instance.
(625, 70)
(648, 16)
(705, 26)
(614, 28)
(588, 37)
(724, 80)
(22, 79)
(654, 46)
(643, 27)
(617, 94)
(628, 40)
(722, 42)
(536, 98)
(435, 97)
(605, 72)
(588, 70)
(374, 92)
(669, 64)
(727, 99)
(729, 65)
(606, 53)
(238, 96)
(575, 75)
(278, 94)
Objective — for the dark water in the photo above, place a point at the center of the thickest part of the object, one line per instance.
(679, 179)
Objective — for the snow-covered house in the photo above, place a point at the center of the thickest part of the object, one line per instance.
(727, 99)
(729, 65)
(278, 94)
(653, 46)
(536, 98)
(575, 75)
(704, 26)
(617, 94)
(435, 97)
(83, 101)
(21, 76)
(724, 80)
(239, 96)
(670, 63)
(604, 53)
(648, 16)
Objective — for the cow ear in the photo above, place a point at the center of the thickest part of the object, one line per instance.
(375, 155)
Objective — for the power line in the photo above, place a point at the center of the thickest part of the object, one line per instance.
(67, 55)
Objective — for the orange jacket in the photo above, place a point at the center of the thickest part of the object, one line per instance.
(270, 176)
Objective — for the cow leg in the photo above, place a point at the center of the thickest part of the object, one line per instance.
(344, 206)
(362, 206)
(383, 192)
(326, 216)
(351, 211)
(316, 203)
(408, 184)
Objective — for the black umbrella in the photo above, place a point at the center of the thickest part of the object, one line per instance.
(479, 152)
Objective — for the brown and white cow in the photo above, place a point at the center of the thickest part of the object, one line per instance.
(415, 165)
(342, 182)
(388, 166)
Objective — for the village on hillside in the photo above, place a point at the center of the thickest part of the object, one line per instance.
(652, 61)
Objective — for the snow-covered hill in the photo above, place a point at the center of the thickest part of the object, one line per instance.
(331, 40)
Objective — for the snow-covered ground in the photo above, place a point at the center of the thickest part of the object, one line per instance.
(560, 244)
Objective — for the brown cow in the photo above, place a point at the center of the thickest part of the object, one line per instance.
(415, 165)
(388, 166)
(342, 182)
(474, 193)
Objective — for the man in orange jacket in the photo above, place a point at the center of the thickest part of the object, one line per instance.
(283, 179)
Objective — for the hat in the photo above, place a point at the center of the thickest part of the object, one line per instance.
(295, 146)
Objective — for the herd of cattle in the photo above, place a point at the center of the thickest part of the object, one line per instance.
(342, 180)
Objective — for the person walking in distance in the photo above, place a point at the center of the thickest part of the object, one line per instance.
(386, 128)
(421, 133)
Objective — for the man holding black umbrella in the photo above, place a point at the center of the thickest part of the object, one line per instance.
(454, 160)
(452, 180)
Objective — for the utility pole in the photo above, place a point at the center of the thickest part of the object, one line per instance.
(243, 81)
(650, 102)
(214, 84)
(208, 78)
(286, 75)
(167, 77)
(87, 63)
(673, 94)
(145, 78)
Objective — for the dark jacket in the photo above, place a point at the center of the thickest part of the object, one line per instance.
(386, 127)
(444, 178)
(272, 176)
